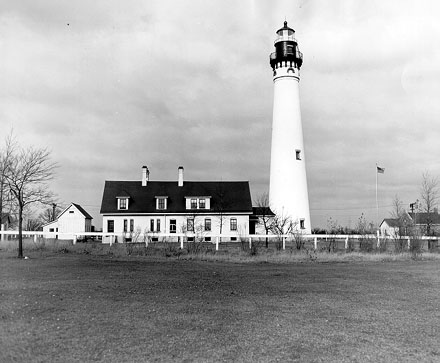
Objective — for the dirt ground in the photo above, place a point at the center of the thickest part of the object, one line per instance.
(81, 308)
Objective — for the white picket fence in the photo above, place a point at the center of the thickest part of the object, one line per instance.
(216, 239)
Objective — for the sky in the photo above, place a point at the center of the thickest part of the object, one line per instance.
(109, 86)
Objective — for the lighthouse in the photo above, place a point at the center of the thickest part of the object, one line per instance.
(288, 196)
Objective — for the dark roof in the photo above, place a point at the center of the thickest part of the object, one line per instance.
(262, 211)
(83, 211)
(227, 196)
(285, 27)
(425, 218)
(391, 222)
(5, 217)
(405, 219)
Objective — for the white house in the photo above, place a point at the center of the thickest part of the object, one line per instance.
(390, 228)
(73, 219)
(205, 208)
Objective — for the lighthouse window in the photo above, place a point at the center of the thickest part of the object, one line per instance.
(302, 224)
(298, 154)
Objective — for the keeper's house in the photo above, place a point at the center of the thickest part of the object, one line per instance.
(205, 208)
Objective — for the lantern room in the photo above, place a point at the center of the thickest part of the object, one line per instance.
(286, 49)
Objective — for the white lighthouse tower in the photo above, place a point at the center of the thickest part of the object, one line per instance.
(288, 194)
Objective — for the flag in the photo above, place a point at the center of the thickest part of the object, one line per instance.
(380, 170)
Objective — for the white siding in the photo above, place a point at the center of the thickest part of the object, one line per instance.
(69, 222)
(142, 224)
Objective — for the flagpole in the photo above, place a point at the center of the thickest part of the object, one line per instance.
(377, 204)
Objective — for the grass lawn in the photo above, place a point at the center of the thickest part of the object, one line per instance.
(80, 308)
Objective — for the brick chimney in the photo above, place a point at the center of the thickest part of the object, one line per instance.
(145, 176)
(180, 179)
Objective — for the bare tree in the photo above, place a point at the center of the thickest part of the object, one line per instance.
(403, 226)
(5, 159)
(284, 225)
(49, 214)
(429, 195)
(27, 175)
(399, 214)
(221, 205)
(265, 215)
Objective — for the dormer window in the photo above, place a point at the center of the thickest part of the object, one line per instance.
(161, 203)
(198, 202)
(122, 203)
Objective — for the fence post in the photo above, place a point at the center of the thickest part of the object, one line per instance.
(111, 240)
(35, 238)
(316, 243)
(409, 243)
(378, 240)
(181, 243)
(74, 239)
(250, 242)
(284, 243)
(216, 243)
(346, 243)
(3, 228)
(146, 240)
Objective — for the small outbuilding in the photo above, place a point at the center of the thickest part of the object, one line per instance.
(73, 219)
(5, 221)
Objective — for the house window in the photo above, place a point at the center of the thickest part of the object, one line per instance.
(298, 154)
(233, 224)
(193, 203)
(51, 230)
(125, 225)
(123, 203)
(71, 211)
(172, 226)
(302, 224)
(202, 203)
(161, 203)
(131, 225)
(190, 224)
(207, 224)
(110, 226)
(151, 225)
(158, 225)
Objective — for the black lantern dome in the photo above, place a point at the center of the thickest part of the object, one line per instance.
(286, 49)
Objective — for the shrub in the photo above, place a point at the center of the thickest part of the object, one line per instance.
(416, 247)
(383, 245)
(350, 245)
(299, 240)
(400, 244)
(366, 244)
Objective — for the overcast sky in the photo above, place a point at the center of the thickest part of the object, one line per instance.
(110, 86)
